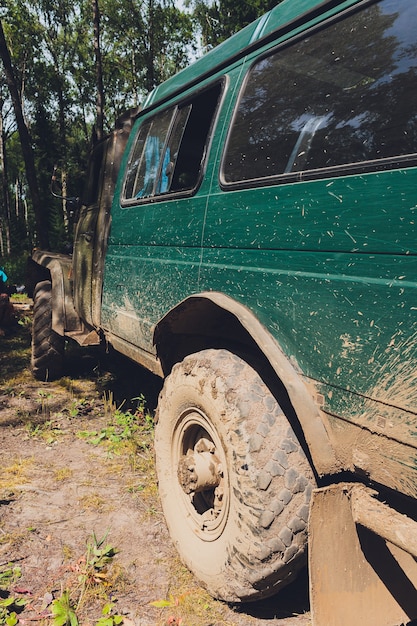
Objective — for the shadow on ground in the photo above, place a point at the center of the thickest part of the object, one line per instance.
(292, 601)
(114, 374)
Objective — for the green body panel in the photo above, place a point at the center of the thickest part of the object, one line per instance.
(327, 266)
(146, 275)
(335, 288)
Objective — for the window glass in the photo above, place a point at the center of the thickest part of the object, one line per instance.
(170, 148)
(143, 171)
(174, 144)
(134, 165)
(346, 94)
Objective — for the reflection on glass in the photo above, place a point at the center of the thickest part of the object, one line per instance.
(346, 94)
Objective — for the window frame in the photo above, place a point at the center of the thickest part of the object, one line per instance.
(175, 107)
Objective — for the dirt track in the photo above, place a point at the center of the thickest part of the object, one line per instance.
(57, 490)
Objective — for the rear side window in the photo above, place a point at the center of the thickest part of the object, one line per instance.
(170, 148)
(343, 96)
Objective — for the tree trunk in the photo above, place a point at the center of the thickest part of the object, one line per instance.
(150, 70)
(99, 73)
(4, 183)
(40, 217)
(63, 141)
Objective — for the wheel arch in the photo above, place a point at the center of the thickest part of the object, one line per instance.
(214, 320)
(57, 268)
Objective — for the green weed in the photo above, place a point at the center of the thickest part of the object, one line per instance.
(123, 427)
(47, 430)
(43, 401)
(93, 574)
(63, 611)
(24, 320)
(20, 297)
(10, 576)
(78, 407)
(108, 617)
(10, 606)
(98, 557)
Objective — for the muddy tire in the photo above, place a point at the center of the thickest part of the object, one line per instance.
(47, 345)
(234, 482)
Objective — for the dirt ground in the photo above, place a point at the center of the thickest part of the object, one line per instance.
(60, 492)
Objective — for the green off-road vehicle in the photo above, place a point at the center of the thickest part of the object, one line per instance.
(252, 240)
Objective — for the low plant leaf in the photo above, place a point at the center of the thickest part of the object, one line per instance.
(12, 619)
(107, 608)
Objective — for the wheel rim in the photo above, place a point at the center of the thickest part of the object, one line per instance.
(200, 464)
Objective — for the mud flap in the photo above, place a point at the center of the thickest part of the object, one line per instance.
(362, 559)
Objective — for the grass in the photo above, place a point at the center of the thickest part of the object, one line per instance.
(15, 354)
(14, 473)
(93, 579)
(44, 411)
(125, 432)
(63, 473)
(92, 501)
(94, 576)
(187, 604)
(53, 414)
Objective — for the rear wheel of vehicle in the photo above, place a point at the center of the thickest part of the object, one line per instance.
(47, 345)
(234, 482)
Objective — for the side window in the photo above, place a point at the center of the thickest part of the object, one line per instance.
(346, 94)
(169, 151)
(143, 169)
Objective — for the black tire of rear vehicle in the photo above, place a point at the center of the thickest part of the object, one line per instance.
(256, 543)
(47, 345)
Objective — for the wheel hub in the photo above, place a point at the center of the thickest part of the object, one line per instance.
(200, 470)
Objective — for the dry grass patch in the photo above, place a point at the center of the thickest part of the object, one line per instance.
(93, 501)
(15, 474)
(187, 604)
(63, 473)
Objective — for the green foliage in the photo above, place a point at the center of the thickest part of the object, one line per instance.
(108, 618)
(10, 606)
(221, 19)
(15, 267)
(63, 612)
(98, 557)
(122, 427)
(99, 554)
(51, 47)
(9, 576)
(143, 43)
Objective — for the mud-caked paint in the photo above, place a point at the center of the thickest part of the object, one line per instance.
(327, 266)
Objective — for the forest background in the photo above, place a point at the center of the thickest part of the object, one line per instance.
(68, 70)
